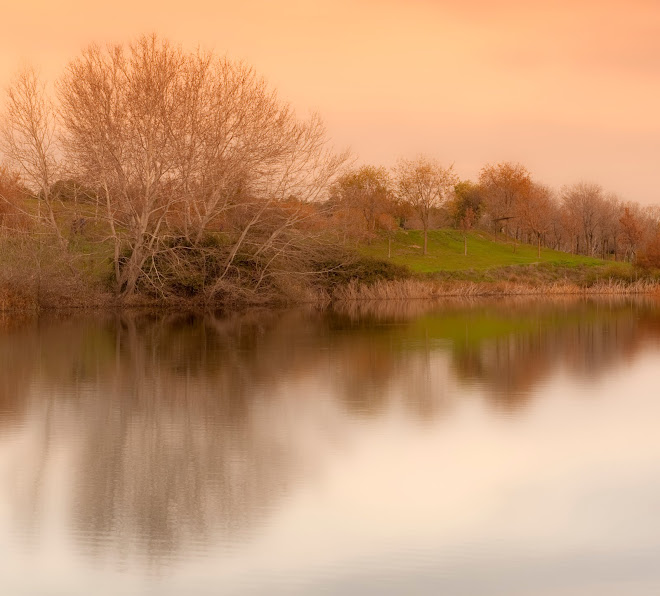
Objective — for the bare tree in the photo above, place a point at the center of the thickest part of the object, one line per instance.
(632, 229)
(504, 186)
(534, 212)
(610, 226)
(583, 205)
(184, 146)
(28, 142)
(426, 186)
(365, 192)
(557, 233)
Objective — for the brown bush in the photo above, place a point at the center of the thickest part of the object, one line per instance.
(649, 256)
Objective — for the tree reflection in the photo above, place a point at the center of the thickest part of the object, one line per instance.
(510, 346)
(183, 429)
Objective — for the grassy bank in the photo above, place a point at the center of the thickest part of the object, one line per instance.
(485, 252)
(493, 267)
(34, 275)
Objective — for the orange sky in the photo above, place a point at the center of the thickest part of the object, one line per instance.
(569, 89)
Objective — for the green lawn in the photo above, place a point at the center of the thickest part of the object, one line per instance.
(445, 252)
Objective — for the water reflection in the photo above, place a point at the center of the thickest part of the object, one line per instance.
(159, 438)
(512, 345)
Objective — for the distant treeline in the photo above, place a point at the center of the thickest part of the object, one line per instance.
(581, 218)
(155, 172)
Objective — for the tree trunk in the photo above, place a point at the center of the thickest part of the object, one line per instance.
(425, 240)
(465, 244)
(131, 273)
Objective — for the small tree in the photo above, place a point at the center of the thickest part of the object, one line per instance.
(467, 221)
(632, 230)
(504, 187)
(389, 224)
(535, 212)
(364, 191)
(465, 208)
(467, 195)
(584, 208)
(426, 186)
(649, 256)
(28, 140)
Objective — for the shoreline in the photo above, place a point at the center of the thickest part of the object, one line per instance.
(420, 289)
(410, 289)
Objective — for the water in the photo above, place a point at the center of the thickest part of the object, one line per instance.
(497, 448)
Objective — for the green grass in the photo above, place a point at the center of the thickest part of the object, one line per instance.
(445, 253)
(490, 258)
(90, 246)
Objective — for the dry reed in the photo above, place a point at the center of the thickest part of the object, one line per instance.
(415, 289)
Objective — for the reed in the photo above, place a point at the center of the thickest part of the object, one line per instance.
(416, 289)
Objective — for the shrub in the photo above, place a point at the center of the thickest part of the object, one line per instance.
(649, 257)
(343, 269)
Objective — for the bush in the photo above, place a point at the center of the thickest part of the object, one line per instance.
(367, 270)
(649, 257)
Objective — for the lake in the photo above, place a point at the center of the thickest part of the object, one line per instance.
(497, 447)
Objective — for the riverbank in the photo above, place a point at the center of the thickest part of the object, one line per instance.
(413, 288)
(348, 275)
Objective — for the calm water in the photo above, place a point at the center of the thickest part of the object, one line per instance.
(497, 448)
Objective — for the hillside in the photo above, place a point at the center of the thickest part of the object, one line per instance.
(485, 252)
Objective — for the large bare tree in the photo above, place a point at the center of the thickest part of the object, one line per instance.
(183, 146)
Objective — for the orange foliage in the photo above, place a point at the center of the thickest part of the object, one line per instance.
(649, 256)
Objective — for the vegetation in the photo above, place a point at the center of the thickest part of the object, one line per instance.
(445, 252)
(154, 174)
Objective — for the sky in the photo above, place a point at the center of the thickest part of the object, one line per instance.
(570, 89)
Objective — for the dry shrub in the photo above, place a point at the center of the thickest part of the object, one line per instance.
(12, 299)
(35, 273)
